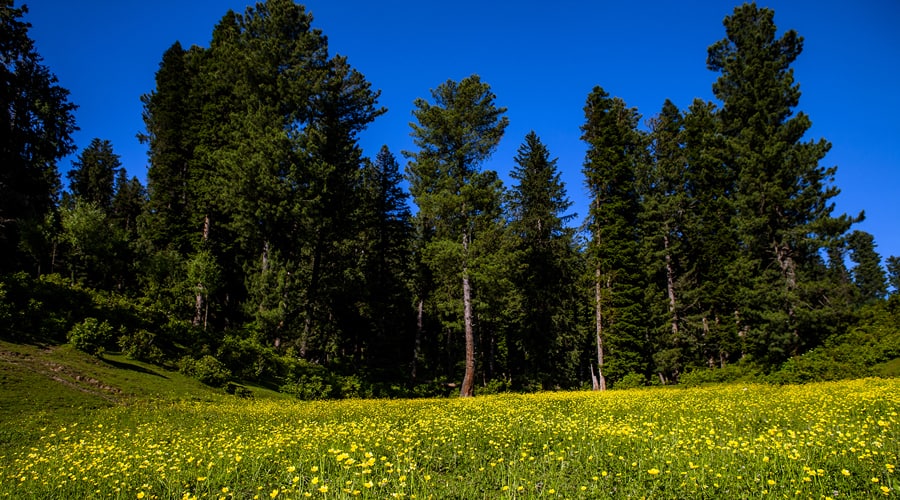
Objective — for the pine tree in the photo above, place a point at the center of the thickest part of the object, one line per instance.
(169, 116)
(710, 243)
(893, 273)
(255, 165)
(868, 275)
(386, 238)
(37, 122)
(615, 151)
(781, 193)
(93, 175)
(664, 205)
(543, 253)
(454, 136)
(128, 203)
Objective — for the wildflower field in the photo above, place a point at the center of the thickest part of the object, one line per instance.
(827, 440)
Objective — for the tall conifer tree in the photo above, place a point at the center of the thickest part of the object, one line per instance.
(37, 121)
(93, 175)
(544, 254)
(615, 152)
(455, 135)
(782, 197)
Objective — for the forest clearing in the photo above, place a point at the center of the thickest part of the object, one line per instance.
(822, 440)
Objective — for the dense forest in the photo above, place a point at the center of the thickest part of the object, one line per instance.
(266, 247)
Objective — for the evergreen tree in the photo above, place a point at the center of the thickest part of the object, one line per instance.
(893, 273)
(37, 122)
(169, 118)
(128, 203)
(781, 193)
(868, 275)
(665, 203)
(544, 279)
(708, 293)
(93, 175)
(255, 165)
(615, 152)
(386, 237)
(454, 136)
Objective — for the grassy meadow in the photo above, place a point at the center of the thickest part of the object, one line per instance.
(827, 440)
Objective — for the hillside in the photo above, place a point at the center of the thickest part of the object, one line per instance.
(42, 385)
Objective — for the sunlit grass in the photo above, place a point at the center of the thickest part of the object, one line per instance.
(831, 440)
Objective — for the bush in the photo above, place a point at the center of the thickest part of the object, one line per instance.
(308, 388)
(495, 386)
(141, 345)
(248, 359)
(238, 390)
(729, 373)
(90, 336)
(631, 381)
(207, 370)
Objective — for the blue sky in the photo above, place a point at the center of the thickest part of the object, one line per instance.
(541, 59)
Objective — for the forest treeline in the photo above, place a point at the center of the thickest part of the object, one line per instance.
(267, 247)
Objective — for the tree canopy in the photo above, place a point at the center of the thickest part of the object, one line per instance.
(267, 247)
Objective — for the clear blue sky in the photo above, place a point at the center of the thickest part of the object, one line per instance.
(541, 59)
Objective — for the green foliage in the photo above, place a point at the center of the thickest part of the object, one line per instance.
(270, 249)
(142, 345)
(863, 351)
(93, 175)
(782, 198)
(459, 206)
(615, 151)
(238, 390)
(630, 381)
(868, 275)
(541, 265)
(248, 359)
(91, 336)
(308, 388)
(37, 123)
(495, 386)
(736, 372)
(207, 369)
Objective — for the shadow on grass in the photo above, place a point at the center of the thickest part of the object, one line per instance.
(129, 366)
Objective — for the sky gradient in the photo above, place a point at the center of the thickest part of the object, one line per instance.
(541, 60)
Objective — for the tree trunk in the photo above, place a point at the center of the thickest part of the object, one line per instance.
(198, 305)
(468, 384)
(670, 288)
(600, 380)
(200, 298)
(420, 327)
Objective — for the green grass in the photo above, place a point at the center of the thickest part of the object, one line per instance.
(163, 436)
(49, 385)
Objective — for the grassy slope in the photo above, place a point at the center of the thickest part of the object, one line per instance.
(55, 384)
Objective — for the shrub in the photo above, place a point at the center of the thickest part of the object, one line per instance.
(247, 358)
(308, 388)
(141, 345)
(238, 390)
(90, 336)
(495, 386)
(631, 381)
(207, 370)
(728, 373)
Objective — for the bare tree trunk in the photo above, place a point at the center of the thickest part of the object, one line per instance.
(420, 327)
(468, 384)
(600, 380)
(198, 305)
(670, 287)
(200, 297)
